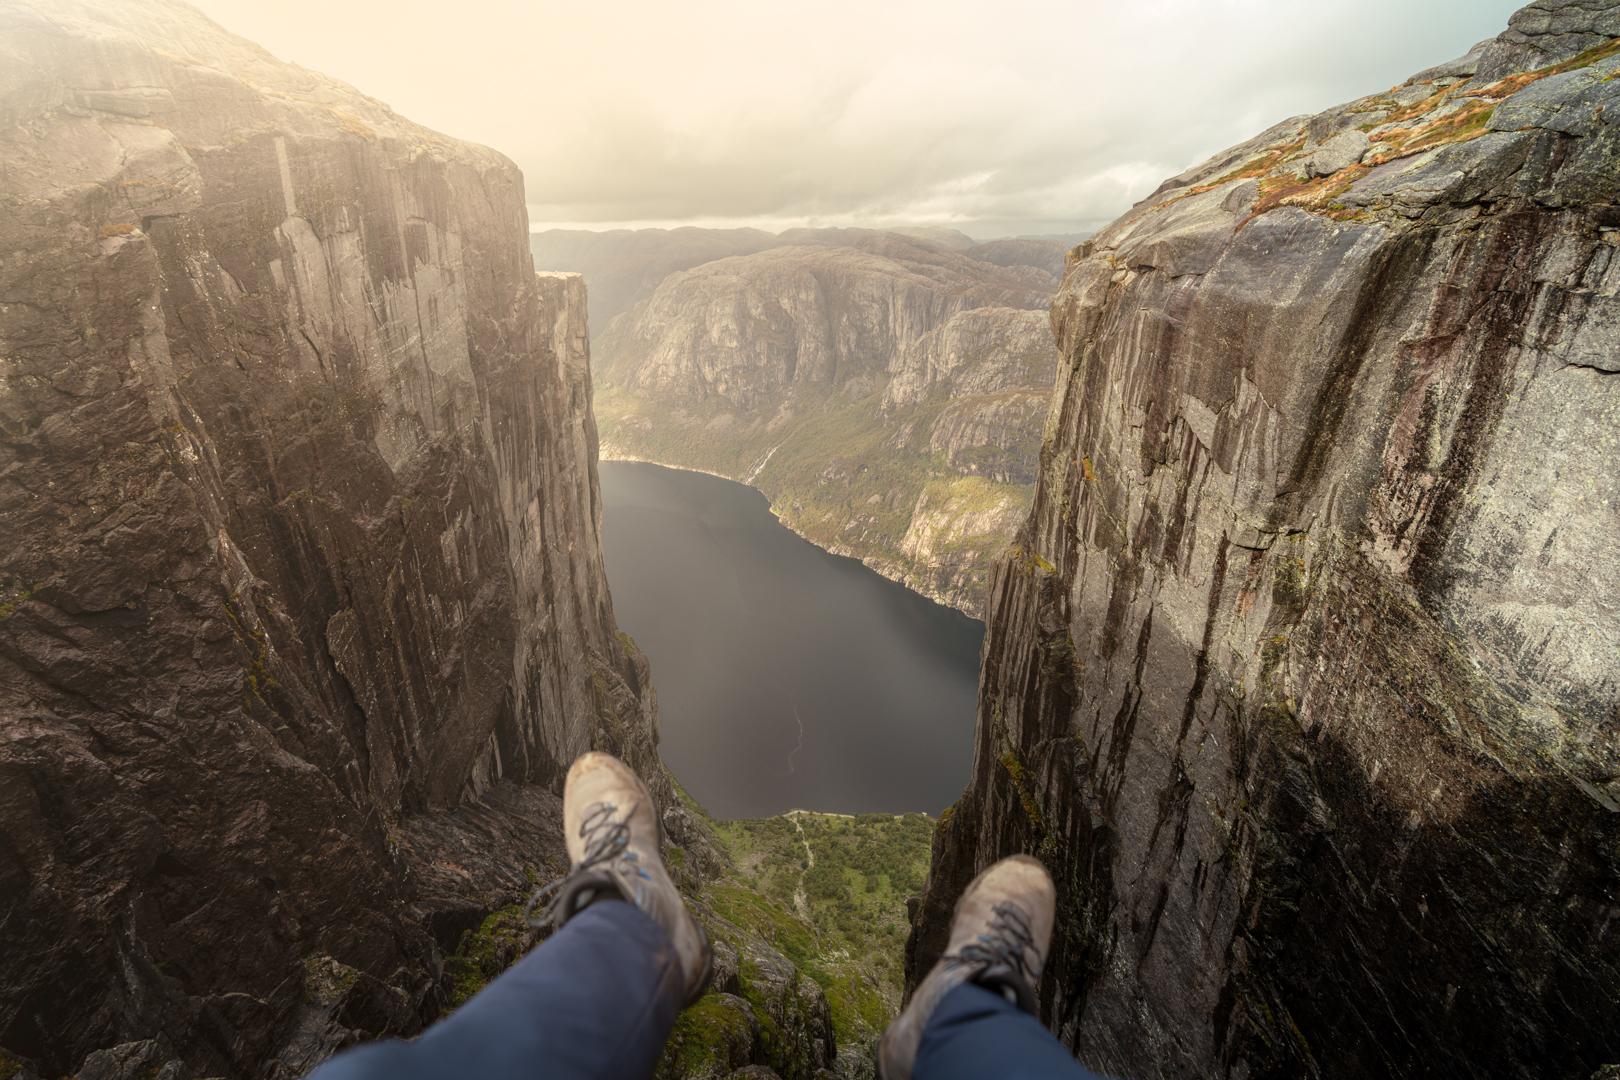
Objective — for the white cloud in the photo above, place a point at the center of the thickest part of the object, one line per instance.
(1020, 115)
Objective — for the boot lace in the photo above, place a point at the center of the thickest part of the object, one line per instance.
(1005, 945)
(607, 839)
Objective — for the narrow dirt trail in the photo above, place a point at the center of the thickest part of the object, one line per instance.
(801, 899)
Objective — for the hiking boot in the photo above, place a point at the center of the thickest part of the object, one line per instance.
(611, 827)
(999, 937)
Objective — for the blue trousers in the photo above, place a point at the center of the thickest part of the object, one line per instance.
(597, 1000)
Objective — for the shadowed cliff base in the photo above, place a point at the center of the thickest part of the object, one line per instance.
(1347, 924)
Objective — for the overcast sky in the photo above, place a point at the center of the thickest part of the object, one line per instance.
(995, 116)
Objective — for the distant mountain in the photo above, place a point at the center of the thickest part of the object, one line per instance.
(886, 393)
(622, 266)
(1042, 252)
(939, 236)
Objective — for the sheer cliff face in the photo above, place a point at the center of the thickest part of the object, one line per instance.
(1303, 678)
(887, 395)
(301, 540)
(745, 332)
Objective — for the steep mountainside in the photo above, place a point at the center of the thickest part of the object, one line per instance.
(885, 393)
(1304, 677)
(828, 891)
(302, 608)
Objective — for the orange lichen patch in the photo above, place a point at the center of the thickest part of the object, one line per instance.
(1316, 195)
(1420, 108)
(1321, 194)
(1512, 84)
(1349, 213)
(352, 124)
(1468, 122)
(1258, 166)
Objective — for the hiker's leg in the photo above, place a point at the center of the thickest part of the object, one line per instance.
(596, 1000)
(976, 1033)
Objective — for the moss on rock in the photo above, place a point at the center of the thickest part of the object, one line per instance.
(500, 940)
(711, 1038)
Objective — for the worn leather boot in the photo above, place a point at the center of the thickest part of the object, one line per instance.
(999, 937)
(611, 828)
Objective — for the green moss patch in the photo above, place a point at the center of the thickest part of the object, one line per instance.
(500, 940)
(711, 1038)
(12, 597)
(1014, 766)
(326, 980)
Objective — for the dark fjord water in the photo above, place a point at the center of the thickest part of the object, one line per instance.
(786, 677)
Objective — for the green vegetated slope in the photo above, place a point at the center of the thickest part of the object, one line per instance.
(836, 890)
(807, 916)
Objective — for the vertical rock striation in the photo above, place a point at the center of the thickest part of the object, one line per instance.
(301, 564)
(1304, 678)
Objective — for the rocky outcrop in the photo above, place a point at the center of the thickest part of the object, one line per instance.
(886, 394)
(302, 604)
(1303, 676)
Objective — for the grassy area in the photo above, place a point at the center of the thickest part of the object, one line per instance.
(841, 919)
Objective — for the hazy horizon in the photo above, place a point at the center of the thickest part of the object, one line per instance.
(1027, 118)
